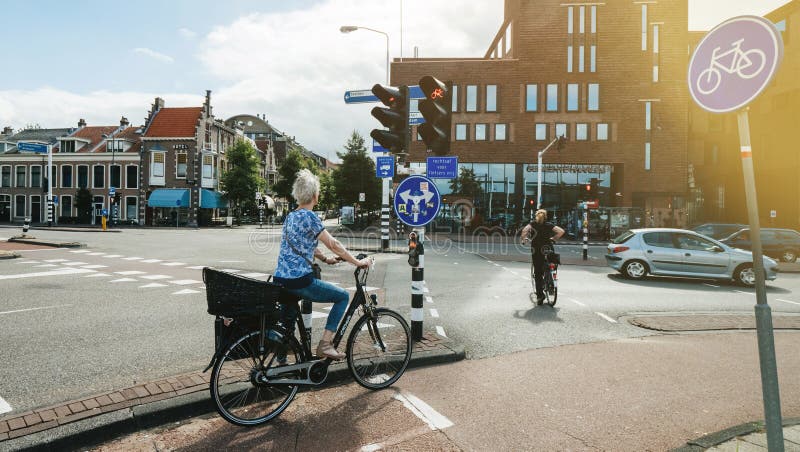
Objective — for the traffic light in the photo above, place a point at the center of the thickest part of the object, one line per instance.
(436, 108)
(395, 118)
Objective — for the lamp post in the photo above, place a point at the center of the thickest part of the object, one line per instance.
(560, 141)
(385, 181)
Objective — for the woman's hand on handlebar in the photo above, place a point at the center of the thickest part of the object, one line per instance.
(365, 262)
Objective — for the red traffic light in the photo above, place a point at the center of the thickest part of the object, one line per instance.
(531, 202)
(588, 187)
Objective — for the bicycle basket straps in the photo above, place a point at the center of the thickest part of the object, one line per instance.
(232, 295)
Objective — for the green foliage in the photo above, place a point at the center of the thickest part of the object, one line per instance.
(467, 184)
(241, 181)
(287, 173)
(83, 203)
(356, 174)
(327, 191)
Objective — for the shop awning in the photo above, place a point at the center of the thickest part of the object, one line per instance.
(210, 199)
(169, 197)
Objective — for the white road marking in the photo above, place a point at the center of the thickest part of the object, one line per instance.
(154, 277)
(33, 309)
(79, 251)
(55, 260)
(455, 263)
(425, 290)
(253, 275)
(787, 301)
(4, 406)
(95, 254)
(440, 331)
(576, 302)
(27, 262)
(606, 317)
(130, 272)
(112, 255)
(231, 262)
(366, 288)
(45, 265)
(94, 266)
(151, 261)
(434, 313)
(197, 267)
(63, 271)
(231, 270)
(155, 284)
(122, 280)
(173, 264)
(422, 410)
(185, 292)
(429, 299)
(186, 282)
(74, 263)
(96, 275)
(741, 291)
(710, 285)
(132, 258)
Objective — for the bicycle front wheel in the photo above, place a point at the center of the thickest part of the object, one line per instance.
(243, 392)
(379, 348)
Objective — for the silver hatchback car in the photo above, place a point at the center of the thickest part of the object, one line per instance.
(678, 252)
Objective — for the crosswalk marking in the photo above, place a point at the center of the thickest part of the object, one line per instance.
(112, 255)
(27, 262)
(130, 272)
(185, 292)
(172, 264)
(96, 275)
(74, 263)
(79, 251)
(196, 267)
(94, 266)
(63, 271)
(155, 284)
(95, 254)
(45, 265)
(132, 258)
(155, 277)
(151, 261)
(122, 280)
(55, 260)
(4, 406)
(185, 282)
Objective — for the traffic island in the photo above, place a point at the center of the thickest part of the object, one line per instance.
(8, 254)
(30, 240)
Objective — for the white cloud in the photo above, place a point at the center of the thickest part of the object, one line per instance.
(153, 54)
(186, 33)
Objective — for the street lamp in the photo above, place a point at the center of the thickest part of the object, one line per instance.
(352, 28)
(559, 141)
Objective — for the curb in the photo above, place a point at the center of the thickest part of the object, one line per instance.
(731, 433)
(8, 255)
(33, 241)
(96, 426)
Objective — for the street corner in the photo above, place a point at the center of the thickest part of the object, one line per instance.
(43, 243)
(676, 323)
(747, 436)
(433, 349)
(4, 254)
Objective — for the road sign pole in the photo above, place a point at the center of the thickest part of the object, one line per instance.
(49, 185)
(766, 338)
(385, 214)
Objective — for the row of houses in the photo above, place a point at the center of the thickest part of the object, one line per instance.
(165, 171)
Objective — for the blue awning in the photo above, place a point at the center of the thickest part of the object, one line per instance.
(210, 199)
(169, 197)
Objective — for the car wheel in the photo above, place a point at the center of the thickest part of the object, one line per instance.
(634, 269)
(745, 275)
(789, 256)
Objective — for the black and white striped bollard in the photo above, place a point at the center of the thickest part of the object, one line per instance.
(307, 320)
(585, 233)
(26, 225)
(416, 258)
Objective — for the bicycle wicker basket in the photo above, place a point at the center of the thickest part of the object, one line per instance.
(231, 295)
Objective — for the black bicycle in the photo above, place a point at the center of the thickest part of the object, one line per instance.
(255, 379)
(552, 261)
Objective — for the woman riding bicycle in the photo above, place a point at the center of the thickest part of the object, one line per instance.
(541, 232)
(302, 232)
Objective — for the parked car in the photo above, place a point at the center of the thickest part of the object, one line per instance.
(783, 244)
(680, 252)
(718, 231)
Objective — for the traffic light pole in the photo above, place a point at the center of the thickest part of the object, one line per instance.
(539, 173)
(385, 215)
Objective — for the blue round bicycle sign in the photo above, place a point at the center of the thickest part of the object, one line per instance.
(417, 201)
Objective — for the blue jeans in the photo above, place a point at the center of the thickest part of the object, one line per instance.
(322, 292)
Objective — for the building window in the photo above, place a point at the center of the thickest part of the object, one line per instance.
(593, 20)
(602, 132)
(181, 166)
(581, 21)
(581, 132)
(593, 58)
(499, 132)
(5, 181)
(455, 97)
(66, 206)
(561, 130)
(83, 176)
(472, 98)
(569, 58)
(116, 176)
(19, 206)
(114, 146)
(647, 156)
(36, 176)
(207, 166)
(132, 176)
(531, 99)
(98, 176)
(644, 26)
(569, 19)
(67, 146)
(541, 132)
(648, 106)
(572, 97)
(655, 53)
(131, 211)
(66, 176)
(157, 166)
(461, 132)
(491, 97)
(581, 59)
(594, 97)
(480, 132)
(552, 97)
(21, 173)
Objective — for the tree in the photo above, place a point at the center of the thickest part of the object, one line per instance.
(356, 174)
(83, 203)
(241, 181)
(327, 191)
(287, 173)
(467, 184)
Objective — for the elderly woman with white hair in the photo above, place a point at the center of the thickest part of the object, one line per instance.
(302, 231)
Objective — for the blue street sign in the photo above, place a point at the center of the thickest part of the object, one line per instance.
(104, 212)
(111, 191)
(178, 202)
(55, 199)
(377, 147)
(442, 167)
(32, 147)
(384, 167)
(361, 96)
(417, 201)
(415, 117)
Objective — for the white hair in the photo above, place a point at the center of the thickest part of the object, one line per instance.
(306, 186)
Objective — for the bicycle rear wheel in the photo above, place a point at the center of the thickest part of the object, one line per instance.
(241, 392)
(379, 348)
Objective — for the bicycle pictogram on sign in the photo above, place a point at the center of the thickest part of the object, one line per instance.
(746, 64)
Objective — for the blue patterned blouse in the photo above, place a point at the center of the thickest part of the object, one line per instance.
(302, 227)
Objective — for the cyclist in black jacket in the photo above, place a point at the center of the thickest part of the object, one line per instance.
(540, 232)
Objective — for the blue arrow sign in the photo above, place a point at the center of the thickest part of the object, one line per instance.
(384, 167)
(361, 96)
(417, 201)
(442, 167)
(32, 147)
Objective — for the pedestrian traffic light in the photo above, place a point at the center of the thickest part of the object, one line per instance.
(395, 118)
(437, 109)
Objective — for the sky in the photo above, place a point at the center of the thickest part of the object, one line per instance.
(100, 60)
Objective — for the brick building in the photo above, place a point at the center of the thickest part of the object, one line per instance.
(609, 76)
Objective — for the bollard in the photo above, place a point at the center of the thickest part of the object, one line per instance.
(416, 258)
(307, 321)
(585, 234)
(26, 225)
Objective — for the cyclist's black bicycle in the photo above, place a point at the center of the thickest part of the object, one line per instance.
(552, 260)
(255, 379)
